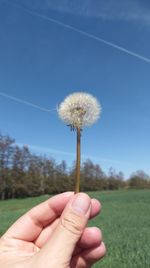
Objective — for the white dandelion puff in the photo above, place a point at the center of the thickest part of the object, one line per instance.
(79, 110)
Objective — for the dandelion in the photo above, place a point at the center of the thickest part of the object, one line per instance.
(79, 110)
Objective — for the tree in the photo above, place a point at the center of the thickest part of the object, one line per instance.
(115, 180)
(6, 155)
(139, 179)
(92, 176)
(24, 174)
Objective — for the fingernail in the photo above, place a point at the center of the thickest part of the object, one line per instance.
(81, 203)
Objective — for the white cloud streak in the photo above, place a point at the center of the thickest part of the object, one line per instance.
(123, 10)
(96, 38)
(108, 10)
(51, 151)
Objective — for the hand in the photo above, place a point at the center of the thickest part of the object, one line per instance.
(54, 235)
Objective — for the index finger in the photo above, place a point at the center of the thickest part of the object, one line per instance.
(30, 225)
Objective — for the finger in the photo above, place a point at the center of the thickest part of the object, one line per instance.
(96, 207)
(29, 226)
(69, 230)
(89, 257)
(47, 232)
(91, 238)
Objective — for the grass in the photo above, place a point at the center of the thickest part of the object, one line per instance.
(124, 220)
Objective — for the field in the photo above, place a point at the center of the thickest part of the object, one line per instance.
(125, 222)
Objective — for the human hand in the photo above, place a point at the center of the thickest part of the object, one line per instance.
(54, 234)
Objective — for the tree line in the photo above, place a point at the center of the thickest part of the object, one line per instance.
(24, 174)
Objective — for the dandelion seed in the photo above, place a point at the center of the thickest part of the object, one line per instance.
(79, 110)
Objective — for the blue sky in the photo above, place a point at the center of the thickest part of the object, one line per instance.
(42, 62)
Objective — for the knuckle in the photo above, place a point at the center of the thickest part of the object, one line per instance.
(73, 224)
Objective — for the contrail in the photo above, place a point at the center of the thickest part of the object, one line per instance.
(25, 102)
(131, 53)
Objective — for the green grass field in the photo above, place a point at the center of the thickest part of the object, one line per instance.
(125, 222)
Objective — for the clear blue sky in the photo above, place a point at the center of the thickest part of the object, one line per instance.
(42, 62)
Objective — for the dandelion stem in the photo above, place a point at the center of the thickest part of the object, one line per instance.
(78, 160)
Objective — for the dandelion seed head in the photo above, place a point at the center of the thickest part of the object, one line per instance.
(79, 110)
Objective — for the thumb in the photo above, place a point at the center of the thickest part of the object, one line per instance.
(72, 223)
